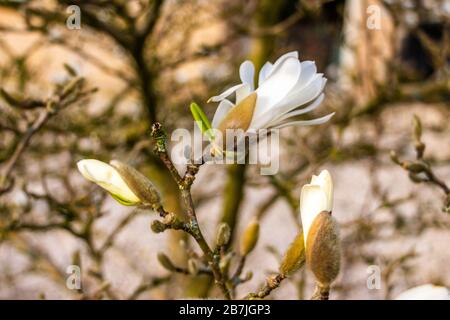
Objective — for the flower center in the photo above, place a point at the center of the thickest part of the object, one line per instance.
(240, 116)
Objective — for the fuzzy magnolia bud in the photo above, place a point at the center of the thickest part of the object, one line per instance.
(294, 258)
(323, 248)
(223, 234)
(166, 262)
(138, 183)
(249, 238)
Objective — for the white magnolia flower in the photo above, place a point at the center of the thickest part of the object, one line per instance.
(108, 178)
(425, 292)
(317, 196)
(286, 89)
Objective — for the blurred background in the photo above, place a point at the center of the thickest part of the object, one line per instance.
(92, 89)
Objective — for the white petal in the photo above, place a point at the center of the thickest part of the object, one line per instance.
(247, 73)
(106, 177)
(309, 69)
(312, 202)
(242, 92)
(264, 72)
(302, 96)
(297, 112)
(222, 110)
(262, 121)
(277, 115)
(325, 182)
(280, 60)
(308, 93)
(277, 85)
(226, 93)
(305, 122)
(425, 292)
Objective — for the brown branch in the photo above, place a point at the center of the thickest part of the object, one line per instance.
(420, 166)
(192, 227)
(145, 286)
(272, 282)
(69, 94)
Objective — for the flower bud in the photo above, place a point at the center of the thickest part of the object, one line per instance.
(166, 262)
(323, 248)
(138, 183)
(157, 226)
(223, 235)
(294, 258)
(315, 197)
(109, 179)
(249, 238)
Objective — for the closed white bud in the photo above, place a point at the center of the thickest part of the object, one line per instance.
(109, 179)
(321, 234)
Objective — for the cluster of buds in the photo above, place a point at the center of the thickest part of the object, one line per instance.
(418, 169)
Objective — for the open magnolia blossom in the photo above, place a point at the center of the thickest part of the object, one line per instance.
(425, 292)
(286, 89)
(107, 177)
(316, 197)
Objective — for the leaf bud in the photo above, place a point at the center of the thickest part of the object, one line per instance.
(157, 226)
(223, 235)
